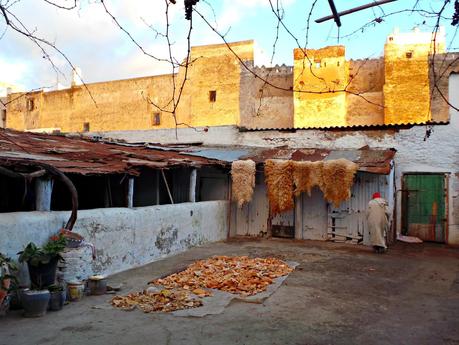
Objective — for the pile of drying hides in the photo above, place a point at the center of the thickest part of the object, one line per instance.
(243, 181)
(239, 275)
(284, 179)
(337, 179)
(279, 181)
(162, 301)
(307, 175)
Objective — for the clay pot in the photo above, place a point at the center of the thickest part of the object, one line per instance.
(56, 300)
(97, 285)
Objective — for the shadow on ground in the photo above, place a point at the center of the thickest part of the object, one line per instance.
(339, 294)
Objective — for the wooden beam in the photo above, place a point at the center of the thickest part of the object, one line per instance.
(167, 186)
(352, 10)
(335, 13)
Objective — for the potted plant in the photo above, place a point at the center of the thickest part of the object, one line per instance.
(42, 264)
(57, 297)
(7, 281)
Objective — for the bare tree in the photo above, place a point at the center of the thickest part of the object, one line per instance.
(428, 15)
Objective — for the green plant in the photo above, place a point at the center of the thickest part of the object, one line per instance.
(34, 255)
(55, 245)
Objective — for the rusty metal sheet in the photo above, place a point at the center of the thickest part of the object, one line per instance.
(368, 160)
(83, 156)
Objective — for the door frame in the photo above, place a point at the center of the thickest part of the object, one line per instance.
(404, 200)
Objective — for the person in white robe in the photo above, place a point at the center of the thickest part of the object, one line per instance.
(378, 216)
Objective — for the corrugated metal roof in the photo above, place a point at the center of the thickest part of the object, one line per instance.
(370, 160)
(223, 154)
(77, 155)
(345, 127)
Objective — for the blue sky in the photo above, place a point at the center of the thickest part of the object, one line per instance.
(90, 39)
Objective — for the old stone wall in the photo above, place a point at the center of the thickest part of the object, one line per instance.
(265, 106)
(119, 105)
(124, 238)
(130, 104)
(415, 153)
(365, 101)
(406, 90)
(320, 76)
(400, 88)
(217, 70)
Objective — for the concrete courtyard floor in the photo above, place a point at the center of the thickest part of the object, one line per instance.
(339, 294)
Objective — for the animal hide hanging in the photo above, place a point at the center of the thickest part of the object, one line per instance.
(243, 181)
(337, 180)
(279, 182)
(306, 175)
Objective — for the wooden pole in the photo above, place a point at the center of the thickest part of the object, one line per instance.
(167, 186)
(352, 10)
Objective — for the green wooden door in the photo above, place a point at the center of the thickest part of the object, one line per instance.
(424, 213)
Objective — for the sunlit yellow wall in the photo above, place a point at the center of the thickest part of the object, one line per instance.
(130, 104)
(216, 68)
(117, 105)
(407, 90)
(319, 78)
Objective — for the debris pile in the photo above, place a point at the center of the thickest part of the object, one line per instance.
(163, 301)
(239, 275)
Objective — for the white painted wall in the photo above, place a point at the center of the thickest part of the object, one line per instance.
(124, 238)
(438, 153)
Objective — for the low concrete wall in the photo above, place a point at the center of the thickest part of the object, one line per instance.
(124, 238)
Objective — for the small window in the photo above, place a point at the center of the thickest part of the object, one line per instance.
(325, 64)
(337, 63)
(30, 104)
(212, 96)
(409, 55)
(391, 38)
(156, 119)
(86, 127)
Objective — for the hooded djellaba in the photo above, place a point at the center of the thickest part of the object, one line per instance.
(378, 216)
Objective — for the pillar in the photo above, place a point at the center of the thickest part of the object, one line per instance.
(43, 192)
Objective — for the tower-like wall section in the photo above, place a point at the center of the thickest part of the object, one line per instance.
(407, 88)
(320, 78)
